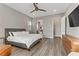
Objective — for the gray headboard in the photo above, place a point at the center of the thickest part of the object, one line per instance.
(7, 30)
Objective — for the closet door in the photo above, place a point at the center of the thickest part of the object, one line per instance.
(48, 28)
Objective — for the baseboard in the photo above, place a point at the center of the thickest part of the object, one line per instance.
(48, 37)
(57, 36)
(1, 37)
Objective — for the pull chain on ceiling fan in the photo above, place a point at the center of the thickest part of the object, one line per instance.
(36, 8)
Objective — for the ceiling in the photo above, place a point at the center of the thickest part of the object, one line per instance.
(52, 8)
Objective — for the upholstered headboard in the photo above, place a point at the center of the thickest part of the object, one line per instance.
(7, 30)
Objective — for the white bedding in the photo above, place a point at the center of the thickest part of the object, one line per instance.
(26, 39)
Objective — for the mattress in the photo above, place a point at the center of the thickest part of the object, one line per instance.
(25, 39)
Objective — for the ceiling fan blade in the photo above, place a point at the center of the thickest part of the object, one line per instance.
(32, 11)
(35, 5)
(36, 8)
(42, 10)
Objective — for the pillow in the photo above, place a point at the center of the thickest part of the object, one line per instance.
(22, 33)
(11, 34)
(27, 32)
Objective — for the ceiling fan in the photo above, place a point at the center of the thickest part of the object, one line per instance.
(36, 8)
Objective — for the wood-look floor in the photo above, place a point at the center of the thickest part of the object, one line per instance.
(47, 47)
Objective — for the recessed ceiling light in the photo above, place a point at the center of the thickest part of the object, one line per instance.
(54, 10)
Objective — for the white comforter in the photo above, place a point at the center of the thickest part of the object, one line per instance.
(26, 39)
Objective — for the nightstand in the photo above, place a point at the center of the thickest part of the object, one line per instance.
(1, 40)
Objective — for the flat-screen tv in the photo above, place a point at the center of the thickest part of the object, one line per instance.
(74, 17)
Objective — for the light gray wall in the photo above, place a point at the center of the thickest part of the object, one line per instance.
(51, 24)
(63, 26)
(34, 25)
(10, 18)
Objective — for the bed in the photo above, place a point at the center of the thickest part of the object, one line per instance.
(24, 41)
